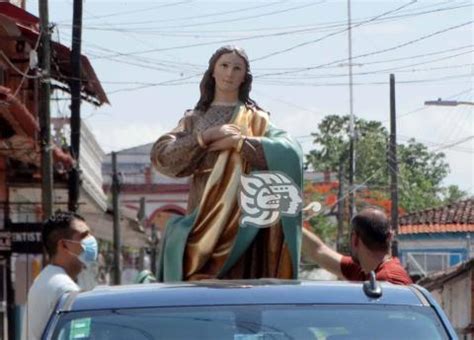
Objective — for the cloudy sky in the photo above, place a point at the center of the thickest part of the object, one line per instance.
(150, 55)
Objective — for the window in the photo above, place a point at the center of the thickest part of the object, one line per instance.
(422, 263)
(251, 322)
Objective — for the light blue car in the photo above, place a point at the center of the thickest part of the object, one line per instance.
(253, 309)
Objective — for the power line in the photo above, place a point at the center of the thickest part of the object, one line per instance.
(424, 107)
(297, 70)
(245, 38)
(180, 81)
(417, 81)
(146, 62)
(332, 34)
(24, 74)
(463, 120)
(117, 54)
(16, 69)
(453, 96)
(209, 15)
(121, 54)
(321, 27)
(171, 4)
(170, 64)
(398, 68)
(248, 38)
(374, 62)
(288, 103)
(136, 39)
(247, 17)
(163, 83)
(435, 144)
(145, 66)
(410, 42)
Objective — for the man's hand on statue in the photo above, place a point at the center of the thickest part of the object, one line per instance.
(226, 143)
(219, 132)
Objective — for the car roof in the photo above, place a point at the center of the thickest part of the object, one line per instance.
(237, 292)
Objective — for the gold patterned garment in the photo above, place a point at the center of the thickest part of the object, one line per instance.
(178, 154)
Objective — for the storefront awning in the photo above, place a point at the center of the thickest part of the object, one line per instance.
(18, 14)
(21, 145)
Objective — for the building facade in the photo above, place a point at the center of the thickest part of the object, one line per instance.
(435, 239)
(162, 196)
(21, 212)
(453, 289)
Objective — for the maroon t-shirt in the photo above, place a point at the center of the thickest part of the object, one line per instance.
(391, 271)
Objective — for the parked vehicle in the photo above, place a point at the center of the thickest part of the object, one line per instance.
(255, 309)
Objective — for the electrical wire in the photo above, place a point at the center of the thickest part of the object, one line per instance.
(417, 81)
(246, 17)
(147, 64)
(385, 70)
(395, 47)
(375, 62)
(215, 14)
(148, 9)
(313, 27)
(310, 42)
(246, 38)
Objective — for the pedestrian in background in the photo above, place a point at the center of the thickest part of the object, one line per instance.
(71, 248)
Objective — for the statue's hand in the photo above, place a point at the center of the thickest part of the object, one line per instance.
(216, 133)
(226, 143)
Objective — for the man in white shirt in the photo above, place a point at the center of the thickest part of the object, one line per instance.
(70, 246)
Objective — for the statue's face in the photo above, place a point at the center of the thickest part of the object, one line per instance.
(229, 72)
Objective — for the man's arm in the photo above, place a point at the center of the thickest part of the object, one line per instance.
(317, 251)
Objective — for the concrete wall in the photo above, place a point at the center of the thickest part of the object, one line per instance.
(456, 299)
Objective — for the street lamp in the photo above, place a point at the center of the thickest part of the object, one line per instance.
(441, 102)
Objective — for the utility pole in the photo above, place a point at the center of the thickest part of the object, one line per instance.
(44, 112)
(393, 166)
(352, 156)
(141, 216)
(117, 233)
(154, 243)
(75, 86)
(340, 206)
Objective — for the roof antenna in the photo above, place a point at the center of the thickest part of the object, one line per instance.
(372, 288)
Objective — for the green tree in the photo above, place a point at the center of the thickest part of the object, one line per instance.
(420, 170)
(421, 173)
(332, 143)
(452, 194)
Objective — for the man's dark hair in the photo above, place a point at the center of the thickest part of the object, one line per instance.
(58, 227)
(373, 228)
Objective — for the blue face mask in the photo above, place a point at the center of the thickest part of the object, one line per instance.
(90, 250)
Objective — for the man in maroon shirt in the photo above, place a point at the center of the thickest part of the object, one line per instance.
(370, 251)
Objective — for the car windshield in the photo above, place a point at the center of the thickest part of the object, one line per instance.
(251, 322)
